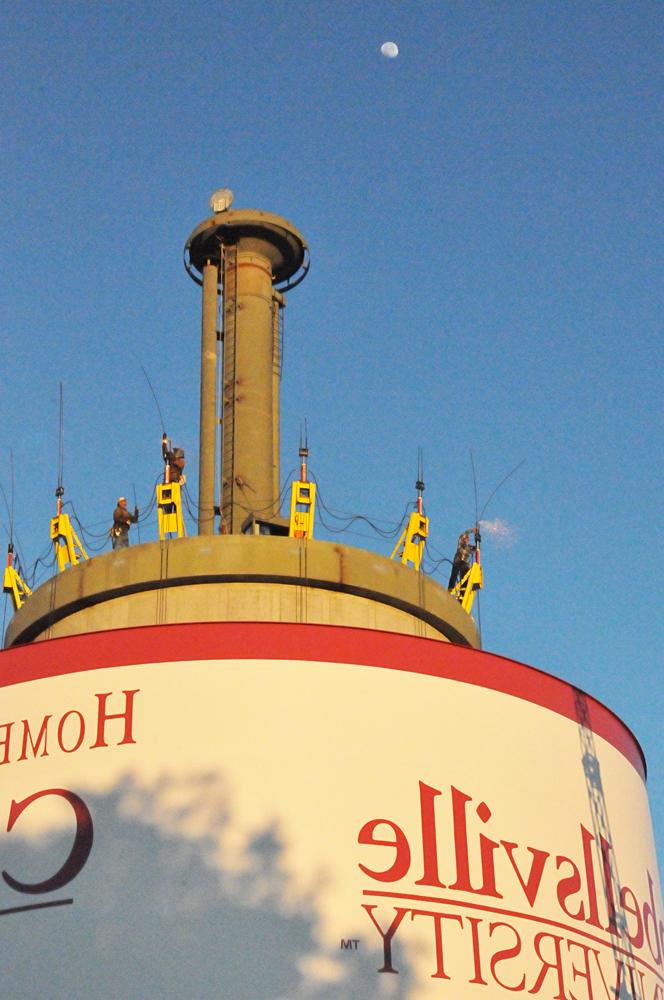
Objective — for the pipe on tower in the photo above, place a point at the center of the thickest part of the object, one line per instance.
(249, 431)
(255, 250)
(208, 417)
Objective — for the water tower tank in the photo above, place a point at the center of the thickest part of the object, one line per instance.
(248, 765)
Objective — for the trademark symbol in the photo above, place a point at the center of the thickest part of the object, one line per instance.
(349, 944)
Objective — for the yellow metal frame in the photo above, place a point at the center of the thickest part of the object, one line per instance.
(302, 509)
(468, 586)
(68, 548)
(169, 510)
(410, 547)
(14, 585)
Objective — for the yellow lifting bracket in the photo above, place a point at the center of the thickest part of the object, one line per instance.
(12, 582)
(472, 581)
(169, 510)
(68, 547)
(410, 546)
(303, 502)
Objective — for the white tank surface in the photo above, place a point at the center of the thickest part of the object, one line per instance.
(280, 810)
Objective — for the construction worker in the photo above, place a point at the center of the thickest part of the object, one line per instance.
(122, 519)
(461, 564)
(175, 462)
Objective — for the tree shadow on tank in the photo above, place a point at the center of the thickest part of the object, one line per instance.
(156, 912)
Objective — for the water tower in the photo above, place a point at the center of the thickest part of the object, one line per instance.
(255, 764)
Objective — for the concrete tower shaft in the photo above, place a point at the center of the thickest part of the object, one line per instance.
(245, 253)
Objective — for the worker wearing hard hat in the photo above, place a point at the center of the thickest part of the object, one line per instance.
(122, 519)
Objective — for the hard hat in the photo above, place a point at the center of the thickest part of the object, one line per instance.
(120, 499)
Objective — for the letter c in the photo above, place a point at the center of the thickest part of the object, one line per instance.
(80, 849)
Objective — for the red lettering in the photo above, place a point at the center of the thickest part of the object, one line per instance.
(617, 992)
(537, 865)
(637, 938)
(387, 935)
(429, 843)
(593, 910)
(607, 875)
(459, 801)
(477, 955)
(621, 988)
(637, 991)
(582, 889)
(488, 850)
(555, 966)
(103, 717)
(569, 886)
(503, 954)
(650, 919)
(400, 844)
(81, 731)
(27, 737)
(80, 848)
(7, 726)
(585, 972)
(438, 921)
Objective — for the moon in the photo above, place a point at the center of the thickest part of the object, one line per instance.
(390, 50)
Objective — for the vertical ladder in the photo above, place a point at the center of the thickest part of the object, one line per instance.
(229, 278)
(278, 303)
(620, 942)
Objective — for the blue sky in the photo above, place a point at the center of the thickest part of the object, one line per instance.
(484, 218)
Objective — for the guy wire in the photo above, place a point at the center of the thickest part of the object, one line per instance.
(154, 396)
